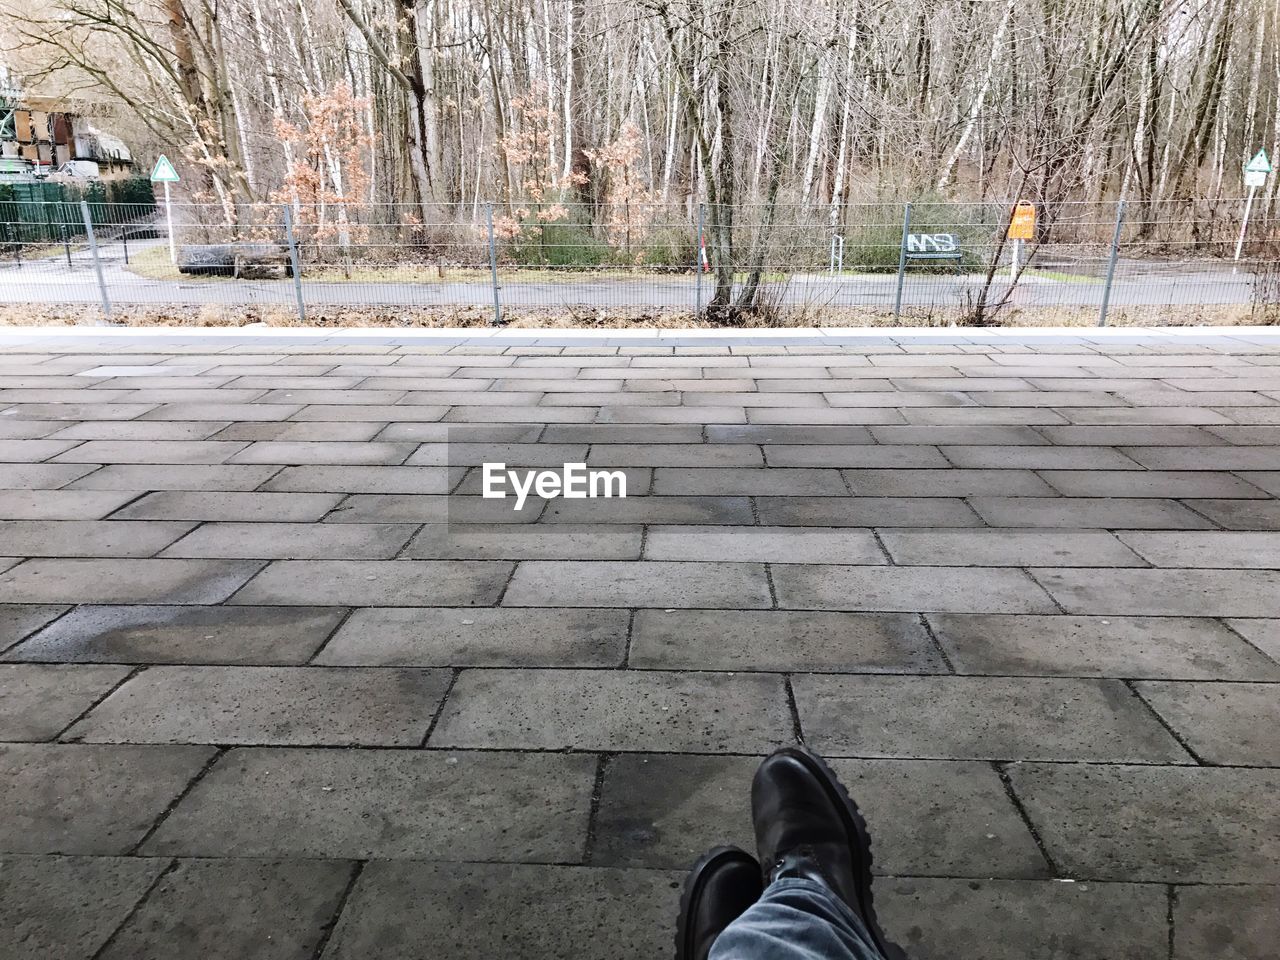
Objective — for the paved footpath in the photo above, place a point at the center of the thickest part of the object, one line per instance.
(277, 682)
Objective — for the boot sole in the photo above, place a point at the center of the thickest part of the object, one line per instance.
(693, 889)
(857, 827)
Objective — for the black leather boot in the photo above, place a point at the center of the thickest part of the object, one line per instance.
(807, 826)
(719, 888)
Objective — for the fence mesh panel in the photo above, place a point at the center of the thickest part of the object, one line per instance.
(923, 262)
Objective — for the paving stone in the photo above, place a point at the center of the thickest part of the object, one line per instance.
(782, 641)
(647, 509)
(481, 910)
(108, 581)
(947, 483)
(1007, 548)
(374, 583)
(864, 455)
(908, 589)
(38, 701)
(866, 512)
(292, 432)
(614, 710)
(28, 429)
(1063, 921)
(619, 583)
(40, 476)
(33, 451)
(67, 907)
(531, 413)
(1263, 634)
(1038, 458)
(364, 479)
(762, 544)
(1267, 435)
(925, 816)
(1133, 436)
(842, 417)
(984, 416)
(1264, 480)
(89, 538)
(460, 452)
(1192, 593)
(229, 506)
(748, 482)
(1149, 483)
(153, 451)
(1231, 923)
(93, 409)
(469, 637)
(622, 433)
(383, 804)
(979, 435)
(1080, 512)
(1202, 458)
(193, 477)
(21, 620)
(1241, 514)
(329, 452)
(268, 705)
(1166, 647)
(676, 455)
(554, 541)
(88, 799)
(980, 718)
(1141, 416)
(151, 634)
(483, 433)
(1155, 824)
(760, 433)
(1227, 723)
(1210, 549)
(295, 541)
(236, 908)
(369, 413)
(61, 504)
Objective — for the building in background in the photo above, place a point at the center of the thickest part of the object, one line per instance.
(40, 137)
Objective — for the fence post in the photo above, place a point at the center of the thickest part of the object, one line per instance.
(1111, 265)
(493, 265)
(97, 261)
(902, 259)
(697, 257)
(295, 266)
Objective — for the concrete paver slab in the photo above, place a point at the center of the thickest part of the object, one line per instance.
(37, 701)
(268, 705)
(182, 634)
(601, 710)
(983, 718)
(1227, 723)
(1156, 824)
(383, 804)
(88, 798)
(229, 909)
(67, 907)
(1167, 647)
(587, 913)
(471, 637)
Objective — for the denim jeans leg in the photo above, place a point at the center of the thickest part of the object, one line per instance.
(796, 919)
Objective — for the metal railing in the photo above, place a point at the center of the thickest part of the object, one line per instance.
(919, 262)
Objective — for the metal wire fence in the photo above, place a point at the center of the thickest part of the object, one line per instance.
(921, 262)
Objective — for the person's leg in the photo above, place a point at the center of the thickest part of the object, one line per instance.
(816, 856)
(721, 886)
(796, 919)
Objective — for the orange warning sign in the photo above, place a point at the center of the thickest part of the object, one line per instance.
(1023, 224)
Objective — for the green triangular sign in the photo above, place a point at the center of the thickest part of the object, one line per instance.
(1259, 163)
(163, 171)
